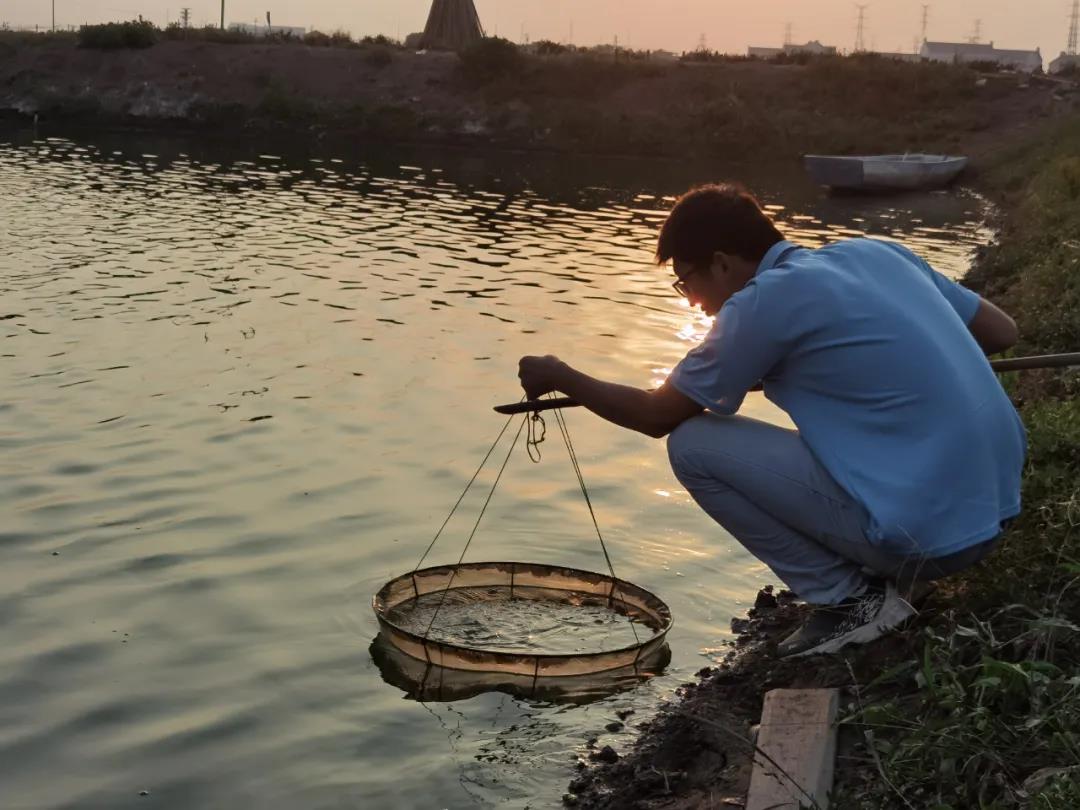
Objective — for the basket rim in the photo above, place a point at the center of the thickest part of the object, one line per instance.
(378, 604)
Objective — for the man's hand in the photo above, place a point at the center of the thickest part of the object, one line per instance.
(540, 375)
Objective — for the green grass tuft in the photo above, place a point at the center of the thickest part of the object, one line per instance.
(114, 36)
(987, 715)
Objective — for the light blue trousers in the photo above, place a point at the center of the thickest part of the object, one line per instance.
(762, 484)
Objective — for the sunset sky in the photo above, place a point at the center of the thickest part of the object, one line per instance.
(678, 25)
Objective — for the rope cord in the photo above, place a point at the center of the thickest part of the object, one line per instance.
(537, 435)
(468, 486)
(588, 502)
(476, 526)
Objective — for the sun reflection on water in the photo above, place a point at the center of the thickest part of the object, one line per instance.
(241, 392)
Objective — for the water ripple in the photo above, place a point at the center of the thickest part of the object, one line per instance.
(243, 389)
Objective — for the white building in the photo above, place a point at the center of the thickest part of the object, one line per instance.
(1064, 62)
(964, 52)
(813, 46)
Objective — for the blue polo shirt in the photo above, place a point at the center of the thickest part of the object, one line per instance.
(866, 347)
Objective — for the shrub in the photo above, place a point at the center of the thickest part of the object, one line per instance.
(379, 39)
(11, 41)
(986, 66)
(110, 36)
(491, 58)
(281, 104)
(342, 39)
(546, 47)
(390, 122)
(1070, 173)
(209, 33)
(317, 39)
(378, 56)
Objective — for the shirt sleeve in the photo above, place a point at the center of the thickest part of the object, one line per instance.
(963, 301)
(733, 358)
(960, 298)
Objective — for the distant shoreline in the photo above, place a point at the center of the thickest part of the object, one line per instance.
(560, 104)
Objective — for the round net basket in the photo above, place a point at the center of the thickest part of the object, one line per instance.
(510, 617)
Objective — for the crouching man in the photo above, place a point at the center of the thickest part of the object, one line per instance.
(907, 456)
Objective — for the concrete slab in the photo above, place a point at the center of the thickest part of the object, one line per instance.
(798, 732)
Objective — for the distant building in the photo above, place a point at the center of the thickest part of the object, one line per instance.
(962, 52)
(1064, 62)
(663, 56)
(813, 46)
(267, 30)
(762, 52)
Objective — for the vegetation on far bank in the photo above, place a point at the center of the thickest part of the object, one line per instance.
(143, 34)
(548, 96)
(985, 713)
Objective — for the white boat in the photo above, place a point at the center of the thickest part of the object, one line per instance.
(884, 172)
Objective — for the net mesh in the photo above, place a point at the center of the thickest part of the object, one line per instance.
(524, 618)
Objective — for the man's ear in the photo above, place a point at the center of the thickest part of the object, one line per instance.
(720, 261)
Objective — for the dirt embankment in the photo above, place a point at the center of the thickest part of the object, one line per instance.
(564, 103)
(697, 754)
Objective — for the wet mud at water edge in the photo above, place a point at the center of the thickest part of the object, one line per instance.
(244, 385)
(698, 751)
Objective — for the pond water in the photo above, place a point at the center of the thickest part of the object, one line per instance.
(242, 390)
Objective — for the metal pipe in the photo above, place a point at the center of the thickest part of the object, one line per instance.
(1042, 361)
(1000, 366)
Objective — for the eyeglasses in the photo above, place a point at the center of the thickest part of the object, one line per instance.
(681, 286)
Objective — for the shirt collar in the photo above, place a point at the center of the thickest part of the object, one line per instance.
(775, 255)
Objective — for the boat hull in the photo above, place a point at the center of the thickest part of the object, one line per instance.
(884, 172)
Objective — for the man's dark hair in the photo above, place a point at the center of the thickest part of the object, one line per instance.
(725, 218)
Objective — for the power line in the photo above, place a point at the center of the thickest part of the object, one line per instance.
(976, 35)
(1073, 25)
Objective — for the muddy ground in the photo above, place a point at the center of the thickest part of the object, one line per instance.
(697, 754)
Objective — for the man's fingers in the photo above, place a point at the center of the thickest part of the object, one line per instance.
(534, 374)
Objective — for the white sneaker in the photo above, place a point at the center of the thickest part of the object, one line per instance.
(857, 620)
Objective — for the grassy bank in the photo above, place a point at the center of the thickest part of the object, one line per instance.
(498, 95)
(977, 703)
(985, 712)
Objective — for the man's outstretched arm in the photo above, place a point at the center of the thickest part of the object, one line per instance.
(993, 329)
(654, 413)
